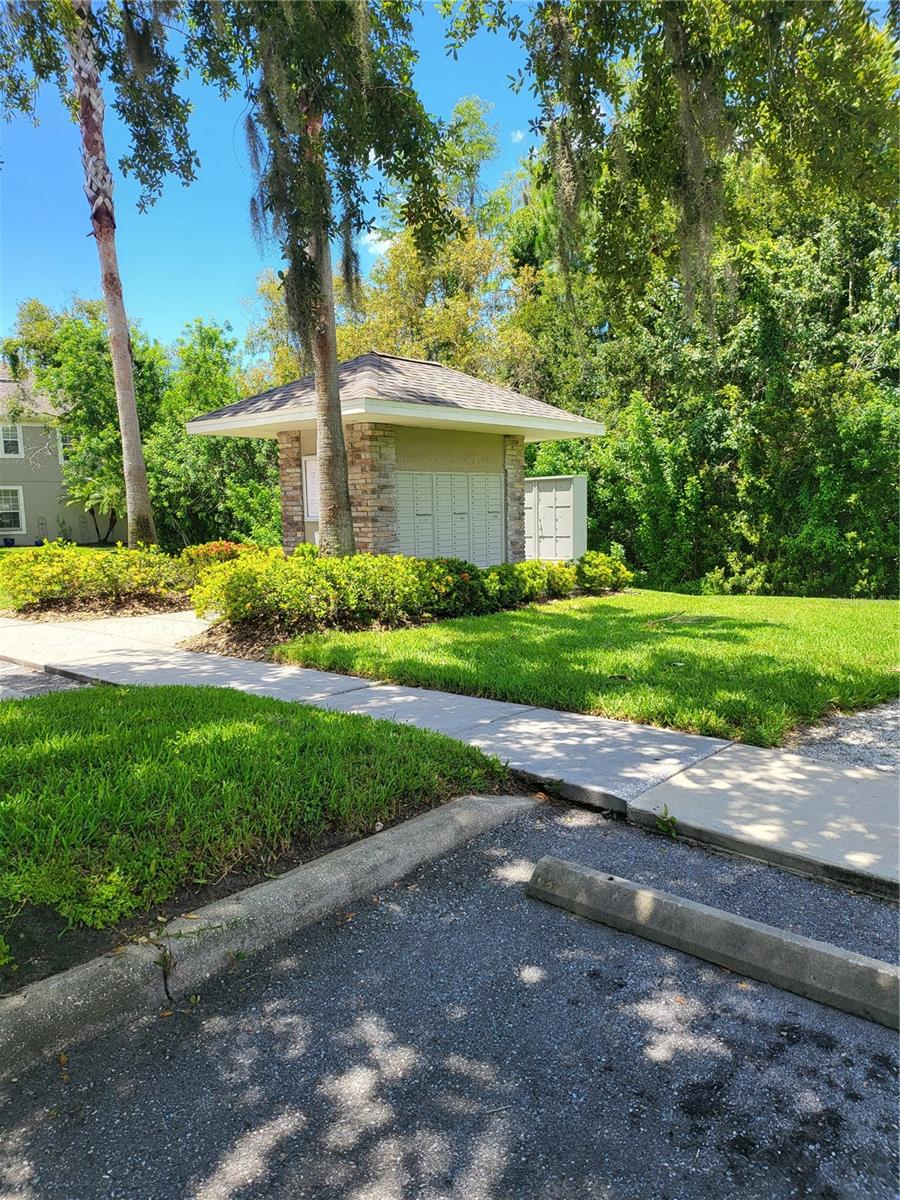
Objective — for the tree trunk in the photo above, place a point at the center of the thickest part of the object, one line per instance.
(98, 187)
(335, 518)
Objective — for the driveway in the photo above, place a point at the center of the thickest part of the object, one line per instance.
(455, 1040)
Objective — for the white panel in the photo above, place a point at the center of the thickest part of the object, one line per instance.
(451, 514)
(424, 484)
(530, 518)
(443, 515)
(460, 493)
(564, 523)
(478, 520)
(556, 517)
(425, 536)
(311, 487)
(406, 513)
(495, 547)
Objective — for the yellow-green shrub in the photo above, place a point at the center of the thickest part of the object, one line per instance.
(60, 573)
(598, 572)
(306, 591)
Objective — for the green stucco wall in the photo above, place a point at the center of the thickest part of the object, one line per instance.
(39, 474)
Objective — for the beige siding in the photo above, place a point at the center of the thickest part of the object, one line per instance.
(447, 450)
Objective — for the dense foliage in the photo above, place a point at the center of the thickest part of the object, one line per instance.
(758, 450)
(303, 590)
(306, 590)
(59, 574)
(202, 487)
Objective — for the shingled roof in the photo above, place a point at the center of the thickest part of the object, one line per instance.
(374, 375)
(18, 396)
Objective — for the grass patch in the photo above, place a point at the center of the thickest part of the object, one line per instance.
(113, 798)
(743, 667)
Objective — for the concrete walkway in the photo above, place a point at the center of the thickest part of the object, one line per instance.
(817, 817)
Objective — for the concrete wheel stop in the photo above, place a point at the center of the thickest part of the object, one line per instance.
(842, 979)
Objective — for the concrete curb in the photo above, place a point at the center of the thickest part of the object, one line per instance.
(645, 816)
(839, 978)
(55, 1013)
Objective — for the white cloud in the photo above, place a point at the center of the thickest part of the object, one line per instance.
(517, 135)
(375, 241)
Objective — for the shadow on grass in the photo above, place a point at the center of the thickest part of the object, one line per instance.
(740, 678)
(114, 799)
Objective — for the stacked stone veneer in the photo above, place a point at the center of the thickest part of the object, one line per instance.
(514, 475)
(290, 473)
(372, 470)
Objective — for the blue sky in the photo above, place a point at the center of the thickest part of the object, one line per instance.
(192, 254)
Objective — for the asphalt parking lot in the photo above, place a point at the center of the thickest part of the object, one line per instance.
(454, 1040)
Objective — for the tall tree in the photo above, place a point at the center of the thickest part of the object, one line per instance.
(469, 144)
(68, 356)
(660, 93)
(98, 187)
(331, 107)
(53, 42)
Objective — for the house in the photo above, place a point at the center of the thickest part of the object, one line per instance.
(32, 453)
(436, 458)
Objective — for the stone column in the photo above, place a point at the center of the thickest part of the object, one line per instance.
(372, 467)
(514, 475)
(290, 475)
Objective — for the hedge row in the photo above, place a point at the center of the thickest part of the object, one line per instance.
(60, 574)
(301, 591)
(306, 591)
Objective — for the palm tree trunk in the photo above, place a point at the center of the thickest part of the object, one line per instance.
(335, 518)
(98, 187)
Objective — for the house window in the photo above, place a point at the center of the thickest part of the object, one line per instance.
(12, 510)
(65, 442)
(11, 441)
(311, 487)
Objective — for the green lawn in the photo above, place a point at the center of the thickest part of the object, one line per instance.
(743, 667)
(113, 798)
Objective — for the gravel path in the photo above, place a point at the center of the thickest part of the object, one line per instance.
(452, 1039)
(867, 739)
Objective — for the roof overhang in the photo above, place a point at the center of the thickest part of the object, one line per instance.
(401, 412)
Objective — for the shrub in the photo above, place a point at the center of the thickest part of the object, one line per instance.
(452, 587)
(597, 572)
(560, 579)
(206, 553)
(60, 573)
(306, 591)
(503, 586)
(741, 577)
(532, 578)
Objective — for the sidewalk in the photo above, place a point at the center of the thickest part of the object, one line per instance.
(817, 817)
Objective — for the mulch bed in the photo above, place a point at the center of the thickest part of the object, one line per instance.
(249, 639)
(92, 610)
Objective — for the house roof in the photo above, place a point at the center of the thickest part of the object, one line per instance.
(388, 388)
(19, 395)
